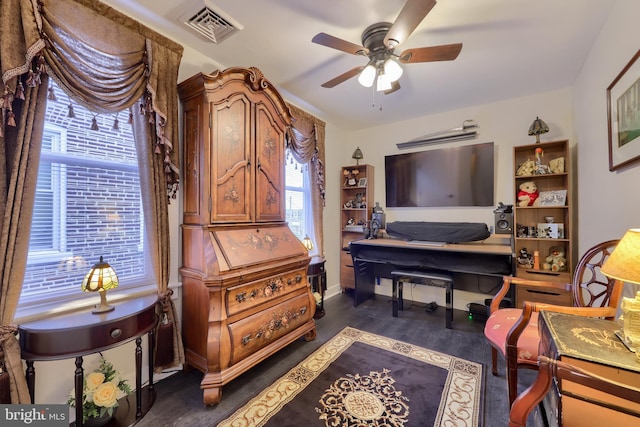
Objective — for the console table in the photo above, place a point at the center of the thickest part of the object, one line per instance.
(82, 333)
(317, 277)
(591, 344)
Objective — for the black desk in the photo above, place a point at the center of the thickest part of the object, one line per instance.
(373, 258)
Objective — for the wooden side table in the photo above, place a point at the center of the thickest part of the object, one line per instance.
(591, 344)
(317, 277)
(82, 333)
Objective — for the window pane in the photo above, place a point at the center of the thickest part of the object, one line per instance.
(87, 204)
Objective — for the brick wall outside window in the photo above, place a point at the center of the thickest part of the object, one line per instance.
(98, 210)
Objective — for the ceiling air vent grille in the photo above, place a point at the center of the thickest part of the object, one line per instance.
(211, 25)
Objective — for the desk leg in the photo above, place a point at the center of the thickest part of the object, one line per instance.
(79, 375)
(152, 344)
(31, 380)
(394, 298)
(138, 378)
(449, 308)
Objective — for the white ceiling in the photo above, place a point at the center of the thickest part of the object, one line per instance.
(511, 48)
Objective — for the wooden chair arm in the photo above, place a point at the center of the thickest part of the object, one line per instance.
(529, 307)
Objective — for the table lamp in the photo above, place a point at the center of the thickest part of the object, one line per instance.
(307, 243)
(357, 154)
(624, 264)
(100, 279)
(537, 128)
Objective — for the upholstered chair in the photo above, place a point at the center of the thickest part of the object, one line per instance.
(514, 331)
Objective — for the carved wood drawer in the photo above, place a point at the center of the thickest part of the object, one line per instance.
(254, 332)
(248, 295)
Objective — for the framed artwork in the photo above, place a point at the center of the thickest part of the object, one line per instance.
(553, 198)
(623, 115)
(362, 182)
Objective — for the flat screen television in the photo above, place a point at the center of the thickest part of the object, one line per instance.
(456, 176)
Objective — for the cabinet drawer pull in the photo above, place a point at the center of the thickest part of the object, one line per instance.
(241, 297)
(246, 339)
(298, 278)
(116, 333)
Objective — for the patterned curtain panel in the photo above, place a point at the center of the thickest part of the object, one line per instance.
(107, 62)
(306, 144)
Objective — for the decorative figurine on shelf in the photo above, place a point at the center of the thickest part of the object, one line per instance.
(556, 165)
(540, 168)
(556, 260)
(527, 194)
(527, 168)
(351, 177)
(525, 259)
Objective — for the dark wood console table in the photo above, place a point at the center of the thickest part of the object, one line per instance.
(373, 258)
(591, 344)
(82, 333)
(317, 277)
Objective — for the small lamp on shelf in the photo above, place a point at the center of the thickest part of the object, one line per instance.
(624, 264)
(357, 154)
(307, 242)
(101, 278)
(537, 128)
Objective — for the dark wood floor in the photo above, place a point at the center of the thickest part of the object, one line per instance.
(179, 400)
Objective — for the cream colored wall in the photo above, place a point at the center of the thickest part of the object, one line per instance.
(608, 203)
(504, 123)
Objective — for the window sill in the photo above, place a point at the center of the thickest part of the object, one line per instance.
(47, 310)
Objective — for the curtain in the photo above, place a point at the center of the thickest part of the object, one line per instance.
(305, 142)
(107, 62)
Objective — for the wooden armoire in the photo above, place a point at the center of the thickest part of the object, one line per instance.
(244, 273)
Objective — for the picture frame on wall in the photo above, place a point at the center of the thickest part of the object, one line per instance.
(623, 115)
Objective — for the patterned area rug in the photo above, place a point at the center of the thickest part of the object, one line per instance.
(363, 379)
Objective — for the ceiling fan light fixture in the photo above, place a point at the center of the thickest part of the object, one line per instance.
(383, 83)
(367, 76)
(392, 70)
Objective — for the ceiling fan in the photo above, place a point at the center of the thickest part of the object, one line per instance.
(379, 41)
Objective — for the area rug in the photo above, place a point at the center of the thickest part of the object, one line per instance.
(362, 379)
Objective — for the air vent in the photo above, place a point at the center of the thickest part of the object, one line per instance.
(210, 24)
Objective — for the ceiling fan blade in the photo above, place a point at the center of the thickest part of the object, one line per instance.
(409, 18)
(327, 40)
(445, 52)
(343, 77)
(394, 87)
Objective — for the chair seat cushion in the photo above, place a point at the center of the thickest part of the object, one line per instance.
(500, 323)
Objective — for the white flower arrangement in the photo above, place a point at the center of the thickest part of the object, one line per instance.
(101, 390)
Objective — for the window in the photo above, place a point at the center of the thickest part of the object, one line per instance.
(87, 205)
(298, 200)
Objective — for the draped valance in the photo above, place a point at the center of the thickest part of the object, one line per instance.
(103, 59)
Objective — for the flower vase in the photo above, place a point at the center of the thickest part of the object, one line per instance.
(99, 421)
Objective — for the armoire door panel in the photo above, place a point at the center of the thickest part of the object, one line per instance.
(231, 161)
(269, 171)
